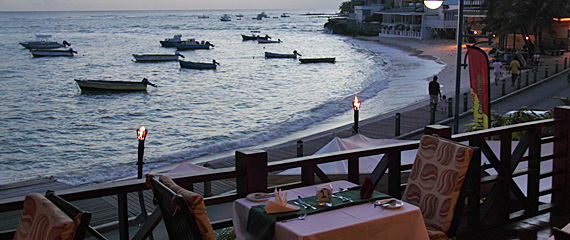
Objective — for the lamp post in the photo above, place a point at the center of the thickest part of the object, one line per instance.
(434, 4)
(356, 106)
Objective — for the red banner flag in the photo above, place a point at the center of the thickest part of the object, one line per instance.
(480, 92)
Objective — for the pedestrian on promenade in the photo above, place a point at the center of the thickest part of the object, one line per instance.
(444, 103)
(515, 65)
(497, 65)
(434, 93)
(536, 60)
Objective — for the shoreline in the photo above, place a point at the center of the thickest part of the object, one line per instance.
(440, 51)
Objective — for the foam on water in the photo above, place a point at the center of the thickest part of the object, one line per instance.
(49, 128)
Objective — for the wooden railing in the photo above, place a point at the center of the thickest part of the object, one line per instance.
(484, 209)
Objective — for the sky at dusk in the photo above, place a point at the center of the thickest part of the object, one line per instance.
(93, 5)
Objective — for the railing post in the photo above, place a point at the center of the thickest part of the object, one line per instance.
(299, 148)
(526, 79)
(395, 174)
(535, 73)
(251, 166)
(450, 107)
(565, 63)
(503, 92)
(556, 67)
(207, 184)
(398, 119)
(546, 72)
(123, 216)
(431, 114)
(353, 170)
(519, 79)
(464, 102)
(441, 130)
(561, 165)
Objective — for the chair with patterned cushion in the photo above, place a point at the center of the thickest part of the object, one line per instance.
(183, 211)
(436, 184)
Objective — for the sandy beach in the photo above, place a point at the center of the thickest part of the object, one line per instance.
(441, 51)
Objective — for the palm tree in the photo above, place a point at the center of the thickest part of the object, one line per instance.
(525, 17)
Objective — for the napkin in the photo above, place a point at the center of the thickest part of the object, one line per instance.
(367, 189)
(279, 204)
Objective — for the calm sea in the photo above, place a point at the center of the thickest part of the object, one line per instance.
(49, 128)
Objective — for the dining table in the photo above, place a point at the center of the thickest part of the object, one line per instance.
(362, 220)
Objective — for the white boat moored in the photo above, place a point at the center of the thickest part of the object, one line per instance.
(43, 42)
(156, 57)
(52, 52)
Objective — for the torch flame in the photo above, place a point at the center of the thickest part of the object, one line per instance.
(356, 103)
(141, 133)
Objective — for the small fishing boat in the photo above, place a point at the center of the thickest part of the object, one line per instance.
(225, 18)
(52, 52)
(157, 57)
(254, 37)
(239, 15)
(42, 42)
(203, 16)
(198, 65)
(282, 55)
(169, 42)
(103, 85)
(284, 15)
(192, 44)
(317, 60)
(259, 40)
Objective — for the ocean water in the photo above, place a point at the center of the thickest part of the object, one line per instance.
(49, 128)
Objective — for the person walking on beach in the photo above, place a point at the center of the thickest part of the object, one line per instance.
(434, 93)
(497, 65)
(515, 65)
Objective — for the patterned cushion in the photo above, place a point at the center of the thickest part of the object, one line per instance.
(41, 219)
(436, 179)
(196, 205)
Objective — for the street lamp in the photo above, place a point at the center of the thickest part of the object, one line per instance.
(434, 4)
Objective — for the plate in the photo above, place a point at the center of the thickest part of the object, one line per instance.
(385, 205)
(258, 197)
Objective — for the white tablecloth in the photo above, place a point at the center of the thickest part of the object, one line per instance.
(361, 221)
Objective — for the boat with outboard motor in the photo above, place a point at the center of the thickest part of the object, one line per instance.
(282, 55)
(151, 57)
(52, 52)
(104, 85)
(198, 65)
(42, 42)
(192, 44)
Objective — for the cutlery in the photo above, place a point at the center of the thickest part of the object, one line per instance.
(296, 203)
(343, 198)
(304, 203)
(300, 217)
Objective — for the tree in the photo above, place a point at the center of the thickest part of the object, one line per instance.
(346, 7)
(524, 16)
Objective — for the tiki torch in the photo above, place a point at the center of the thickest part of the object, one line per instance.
(141, 134)
(356, 105)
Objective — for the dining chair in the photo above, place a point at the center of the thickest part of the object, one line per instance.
(51, 217)
(560, 234)
(436, 181)
(183, 211)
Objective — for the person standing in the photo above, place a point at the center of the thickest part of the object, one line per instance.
(497, 65)
(515, 65)
(434, 93)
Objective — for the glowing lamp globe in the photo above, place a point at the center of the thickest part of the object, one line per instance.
(433, 4)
